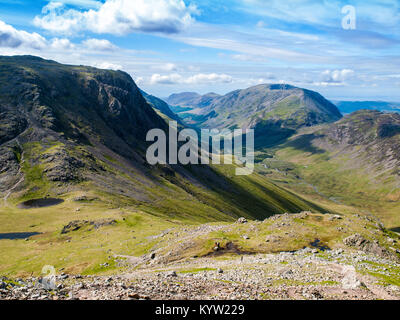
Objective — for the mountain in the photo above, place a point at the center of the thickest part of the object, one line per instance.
(162, 107)
(188, 100)
(351, 106)
(354, 161)
(79, 195)
(181, 99)
(73, 130)
(274, 111)
(292, 107)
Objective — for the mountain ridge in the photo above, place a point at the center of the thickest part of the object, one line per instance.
(245, 108)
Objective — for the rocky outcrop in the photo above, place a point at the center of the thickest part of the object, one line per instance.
(359, 242)
(78, 224)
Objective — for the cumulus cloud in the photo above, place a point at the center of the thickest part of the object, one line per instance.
(13, 38)
(167, 67)
(337, 76)
(166, 79)
(200, 78)
(118, 17)
(210, 77)
(99, 44)
(61, 44)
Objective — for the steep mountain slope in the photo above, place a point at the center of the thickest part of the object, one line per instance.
(162, 107)
(354, 161)
(68, 130)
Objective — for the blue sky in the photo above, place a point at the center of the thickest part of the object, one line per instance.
(217, 46)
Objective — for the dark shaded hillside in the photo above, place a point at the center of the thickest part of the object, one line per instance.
(162, 107)
(71, 129)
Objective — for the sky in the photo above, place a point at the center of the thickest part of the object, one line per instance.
(344, 49)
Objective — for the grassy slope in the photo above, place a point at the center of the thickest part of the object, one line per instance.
(352, 186)
(332, 176)
(170, 203)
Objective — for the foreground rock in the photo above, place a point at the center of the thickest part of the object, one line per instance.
(303, 274)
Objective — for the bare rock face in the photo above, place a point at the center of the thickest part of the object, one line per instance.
(62, 167)
(45, 104)
(78, 224)
(9, 168)
(359, 242)
(11, 125)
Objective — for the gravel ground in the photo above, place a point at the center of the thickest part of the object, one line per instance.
(305, 274)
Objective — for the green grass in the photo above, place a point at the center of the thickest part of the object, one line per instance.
(196, 270)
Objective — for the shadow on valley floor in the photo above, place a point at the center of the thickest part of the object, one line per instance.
(267, 200)
(40, 203)
(270, 135)
(304, 143)
(397, 229)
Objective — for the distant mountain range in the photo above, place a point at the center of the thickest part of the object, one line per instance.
(350, 106)
(292, 107)
(274, 111)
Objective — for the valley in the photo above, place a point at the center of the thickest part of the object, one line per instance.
(319, 219)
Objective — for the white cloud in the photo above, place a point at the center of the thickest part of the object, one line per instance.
(166, 79)
(61, 44)
(108, 66)
(167, 67)
(99, 44)
(13, 38)
(118, 17)
(337, 76)
(328, 84)
(209, 78)
(328, 13)
(200, 78)
(82, 3)
(248, 58)
(249, 49)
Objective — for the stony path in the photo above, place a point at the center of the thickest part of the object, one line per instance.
(305, 274)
